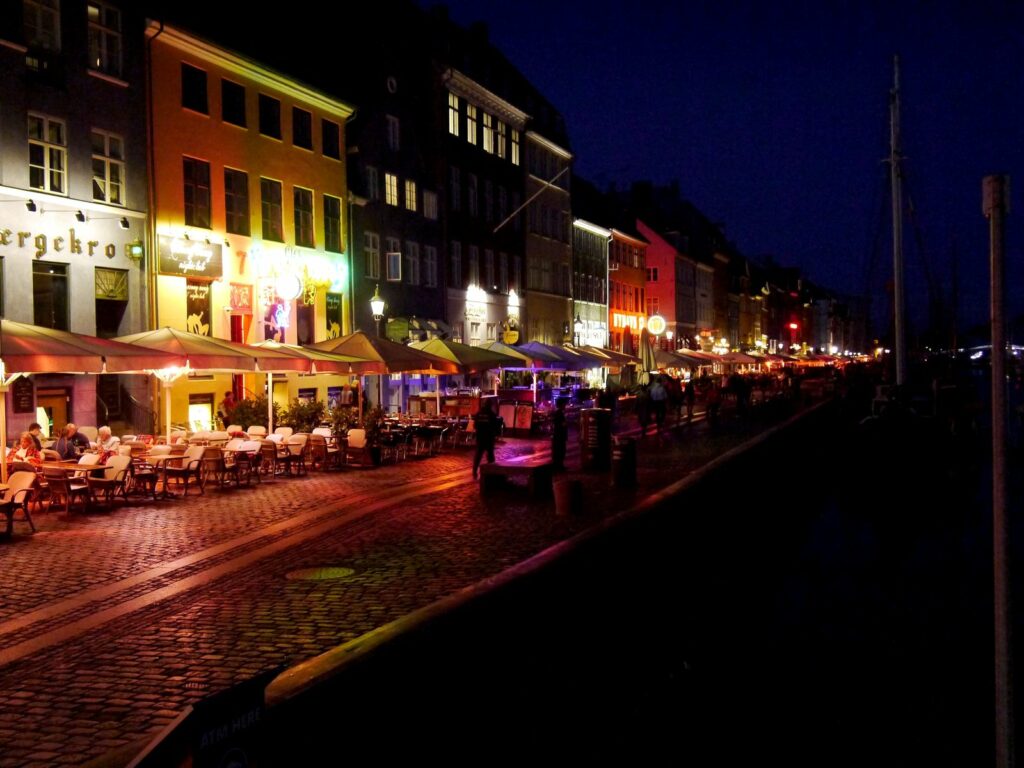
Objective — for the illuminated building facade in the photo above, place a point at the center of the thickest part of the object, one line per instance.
(590, 283)
(248, 209)
(73, 195)
(627, 290)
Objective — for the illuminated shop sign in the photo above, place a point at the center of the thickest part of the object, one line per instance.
(41, 244)
(189, 258)
(619, 320)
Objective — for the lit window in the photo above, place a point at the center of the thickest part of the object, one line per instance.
(502, 140)
(471, 124)
(390, 189)
(107, 167)
(488, 133)
(104, 38)
(453, 114)
(371, 252)
(515, 147)
(410, 195)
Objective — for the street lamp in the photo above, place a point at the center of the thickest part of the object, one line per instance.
(577, 326)
(377, 307)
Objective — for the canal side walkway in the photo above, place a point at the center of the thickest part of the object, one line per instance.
(111, 623)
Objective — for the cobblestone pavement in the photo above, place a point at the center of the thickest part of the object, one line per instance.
(111, 623)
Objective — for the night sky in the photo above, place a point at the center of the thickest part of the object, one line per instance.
(774, 119)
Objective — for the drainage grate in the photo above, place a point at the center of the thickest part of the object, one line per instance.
(319, 574)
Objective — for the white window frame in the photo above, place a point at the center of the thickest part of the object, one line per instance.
(371, 254)
(502, 148)
(430, 205)
(393, 260)
(109, 162)
(104, 36)
(394, 133)
(430, 266)
(410, 195)
(488, 124)
(453, 114)
(51, 150)
(391, 188)
(515, 147)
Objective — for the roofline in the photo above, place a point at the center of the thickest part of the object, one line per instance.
(469, 89)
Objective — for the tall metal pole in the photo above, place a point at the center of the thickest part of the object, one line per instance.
(897, 226)
(995, 205)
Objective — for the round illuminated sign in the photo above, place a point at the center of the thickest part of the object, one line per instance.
(656, 324)
(288, 287)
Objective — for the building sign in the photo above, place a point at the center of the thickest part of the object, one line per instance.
(476, 303)
(656, 324)
(276, 320)
(333, 315)
(23, 394)
(241, 298)
(197, 304)
(620, 320)
(190, 258)
(41, 244)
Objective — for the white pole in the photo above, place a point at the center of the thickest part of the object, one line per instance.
(3, 425)
(437, 387)
(534, 386)
(270, 403)
(167, 410)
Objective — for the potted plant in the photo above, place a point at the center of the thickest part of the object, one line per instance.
(373, 423)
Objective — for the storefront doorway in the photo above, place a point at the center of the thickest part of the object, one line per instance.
(55, 402)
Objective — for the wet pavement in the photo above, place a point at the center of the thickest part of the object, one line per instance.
(112, 622)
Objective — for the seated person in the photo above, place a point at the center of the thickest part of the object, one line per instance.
(25, 450)
(80, 441)
(65, 446)
(36, 430)
(106, 442)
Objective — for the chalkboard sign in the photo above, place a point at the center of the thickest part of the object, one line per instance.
(24, 395)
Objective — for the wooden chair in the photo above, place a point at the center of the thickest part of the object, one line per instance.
(191, 469)
(67, 488)
(268, 458)
(19, 494)
(256, 432)
(357, 448)
(296, 450)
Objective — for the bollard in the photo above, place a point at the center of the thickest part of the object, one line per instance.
(568, 496)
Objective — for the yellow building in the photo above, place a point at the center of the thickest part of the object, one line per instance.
(248, 209)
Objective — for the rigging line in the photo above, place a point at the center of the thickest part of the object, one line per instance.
(532, 197)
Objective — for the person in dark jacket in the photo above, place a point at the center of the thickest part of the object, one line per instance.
(485, 424)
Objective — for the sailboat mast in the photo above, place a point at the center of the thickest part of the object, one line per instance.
(897, 226)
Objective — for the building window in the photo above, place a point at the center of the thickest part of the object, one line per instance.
(372, 183)
(453, 114)
(270, 116)
(410, 195)
(502, 203)
(390, 189)
(197, 193)
(652, 274)
(47, 154)
(491, 331)
(394, 260)
(488, 133)
(193, 89)
(303, 201)
(331, 134)
(232, 103)
(652, 305)
(455, 184)
(50, 295)
(471, 124)
(488, 200)
(517, 272)
(516, 222)
(430, 266)
(393, 133)
(302, 128)
(332, 224)
(371, 252)
(107, 167)
(236, 202)
(474, 265)
(471, 191)
(515, 147)
(42, 24)
(270, 209)
(502, 147)
(412, 262)
(111, 300)
(104, 38)
(455, 278)
(503, 272)
(430, 205)
(489, 268)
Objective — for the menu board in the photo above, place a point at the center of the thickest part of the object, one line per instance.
(24, 395)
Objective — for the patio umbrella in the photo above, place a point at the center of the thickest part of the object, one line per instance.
(469, 358)
(648, 363)
(384, 356)
(28, 349)
(613, 357)
(207, 353)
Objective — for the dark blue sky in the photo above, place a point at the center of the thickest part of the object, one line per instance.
(774, 119)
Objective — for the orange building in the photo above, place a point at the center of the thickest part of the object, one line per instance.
(248, 209)
(627, 288)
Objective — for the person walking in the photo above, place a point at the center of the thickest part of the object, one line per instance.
(690, 396)
(485, 423)
(659, 402)
(559, 435)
